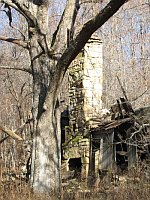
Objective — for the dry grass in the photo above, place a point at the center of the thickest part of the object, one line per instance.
(134, 186)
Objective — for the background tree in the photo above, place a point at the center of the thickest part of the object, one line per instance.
(50, 54)
(126, 54)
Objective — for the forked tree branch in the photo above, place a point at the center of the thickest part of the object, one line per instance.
(19, 6)
(87, 30)
(15, 41)
(66, 23)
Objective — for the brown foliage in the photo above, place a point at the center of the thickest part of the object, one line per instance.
(134, 185)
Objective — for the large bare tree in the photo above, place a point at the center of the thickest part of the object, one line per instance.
(50, 56)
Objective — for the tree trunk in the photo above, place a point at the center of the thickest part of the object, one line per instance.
(47, 78)
(46, 157)
(46, 147)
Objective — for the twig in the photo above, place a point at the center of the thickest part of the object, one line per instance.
(17, 41)
(17, 68)
(3, 139)
(12, 90)
(123, 90)
(141, 94)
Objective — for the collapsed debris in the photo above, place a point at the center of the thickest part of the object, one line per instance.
(113, 143)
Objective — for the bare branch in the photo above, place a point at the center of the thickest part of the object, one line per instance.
(26, 13)
(21, 128)
(139, 130)
(66, 23)
(10, 133)
(123, 90)
(3, 139)
(22, 9)
(17, 68)
(8, 13)
(23, 36)
(88, 29)
(141, 94)
(22, 89)
(13, 133)
(15, 41)
(11, 89)
(90, 1)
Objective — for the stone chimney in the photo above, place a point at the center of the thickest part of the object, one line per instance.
(85, 84)
(92, 78)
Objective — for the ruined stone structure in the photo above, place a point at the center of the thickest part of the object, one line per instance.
(85, 91)
(93, 139)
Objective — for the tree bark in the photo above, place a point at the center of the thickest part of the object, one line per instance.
(46, 152)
